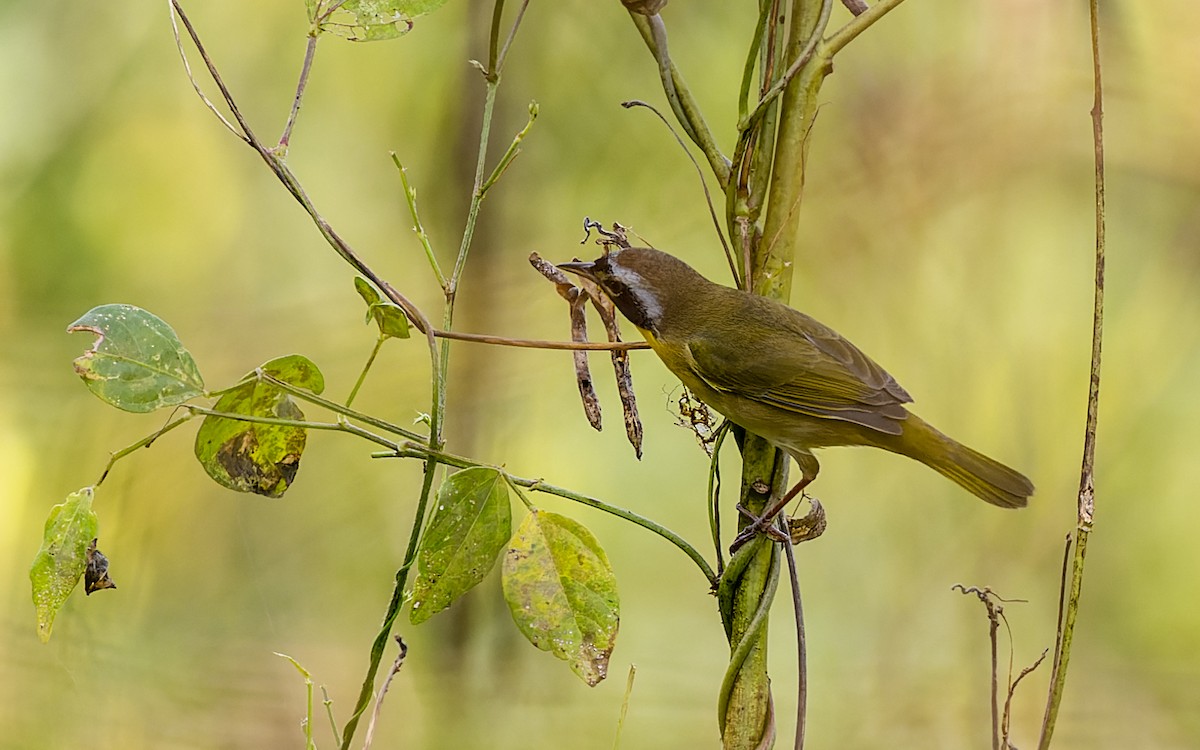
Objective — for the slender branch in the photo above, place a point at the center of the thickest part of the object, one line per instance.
(712, 211)
(658, 33)
(1085, 510)
(393, 608)
(594, 346)
(858, 25)
(187, 67)
(285, 175)
(337, 408)
(310, 52)
(714, 492)
(692, 120)
(369, 738)
(514, 149)
(498, 63)
(801, 640)
(805, 55)
(302, 424)
(416, 450)
(410, 195)
(143, 443)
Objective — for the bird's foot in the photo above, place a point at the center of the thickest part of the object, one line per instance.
(764, 524)
(804, 529)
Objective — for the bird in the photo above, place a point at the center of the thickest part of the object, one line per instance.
(781, 374)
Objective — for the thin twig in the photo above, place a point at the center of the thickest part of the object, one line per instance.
(801, 641)
(692, 121)
(187, 67)
(1085, 508)
(994, 613)
(805, 55)
(591, 346)
(858, 25)
(143, 443)
(387, 683)
(712, 211)
(1012, 690)
(512, 33)
(310, 52)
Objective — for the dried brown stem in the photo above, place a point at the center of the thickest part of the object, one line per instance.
(576, 299)
(620, 360)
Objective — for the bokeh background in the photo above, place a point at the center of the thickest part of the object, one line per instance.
(948, 231)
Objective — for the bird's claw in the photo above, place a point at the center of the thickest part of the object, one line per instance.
(758, 525)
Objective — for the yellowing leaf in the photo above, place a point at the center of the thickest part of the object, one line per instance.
(253, 456)
(61, 561)
(562, 592)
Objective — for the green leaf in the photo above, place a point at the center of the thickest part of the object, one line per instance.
(59, 564)
(470, 527)
(389, 317)
(137, 363)
(370, 20)
(252, 456)
(562, 592)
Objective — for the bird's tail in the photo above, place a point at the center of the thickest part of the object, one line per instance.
(983, 477)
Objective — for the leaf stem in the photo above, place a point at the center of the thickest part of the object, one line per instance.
(337, 408)
(415, 450)
(143, 443)
(362, 375)
(310, 52)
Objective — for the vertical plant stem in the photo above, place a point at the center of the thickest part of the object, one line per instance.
(801, 643)
(1085, 509)
(441, 363)
(747, 718)
(393, 609)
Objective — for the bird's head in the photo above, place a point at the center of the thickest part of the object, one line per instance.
(646, 285)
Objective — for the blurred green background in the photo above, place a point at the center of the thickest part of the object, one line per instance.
(948, 232)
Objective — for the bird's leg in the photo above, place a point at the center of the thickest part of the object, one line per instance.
(763, 523)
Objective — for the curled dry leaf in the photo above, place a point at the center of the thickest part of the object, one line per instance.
(95, 576)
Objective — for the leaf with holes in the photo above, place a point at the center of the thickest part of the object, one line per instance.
(562, 592)
(253, 456)
(63, 558)
(369, 20)
(137, 363)
(470, 527)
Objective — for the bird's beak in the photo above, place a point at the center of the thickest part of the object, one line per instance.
(586, 269)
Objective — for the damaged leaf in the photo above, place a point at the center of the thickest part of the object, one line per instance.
(562, 592)
(61, 561)
(137, 363)
(253, 456)
(369, 20)
(470, 527)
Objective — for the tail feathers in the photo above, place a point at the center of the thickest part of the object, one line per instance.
(987, 479)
